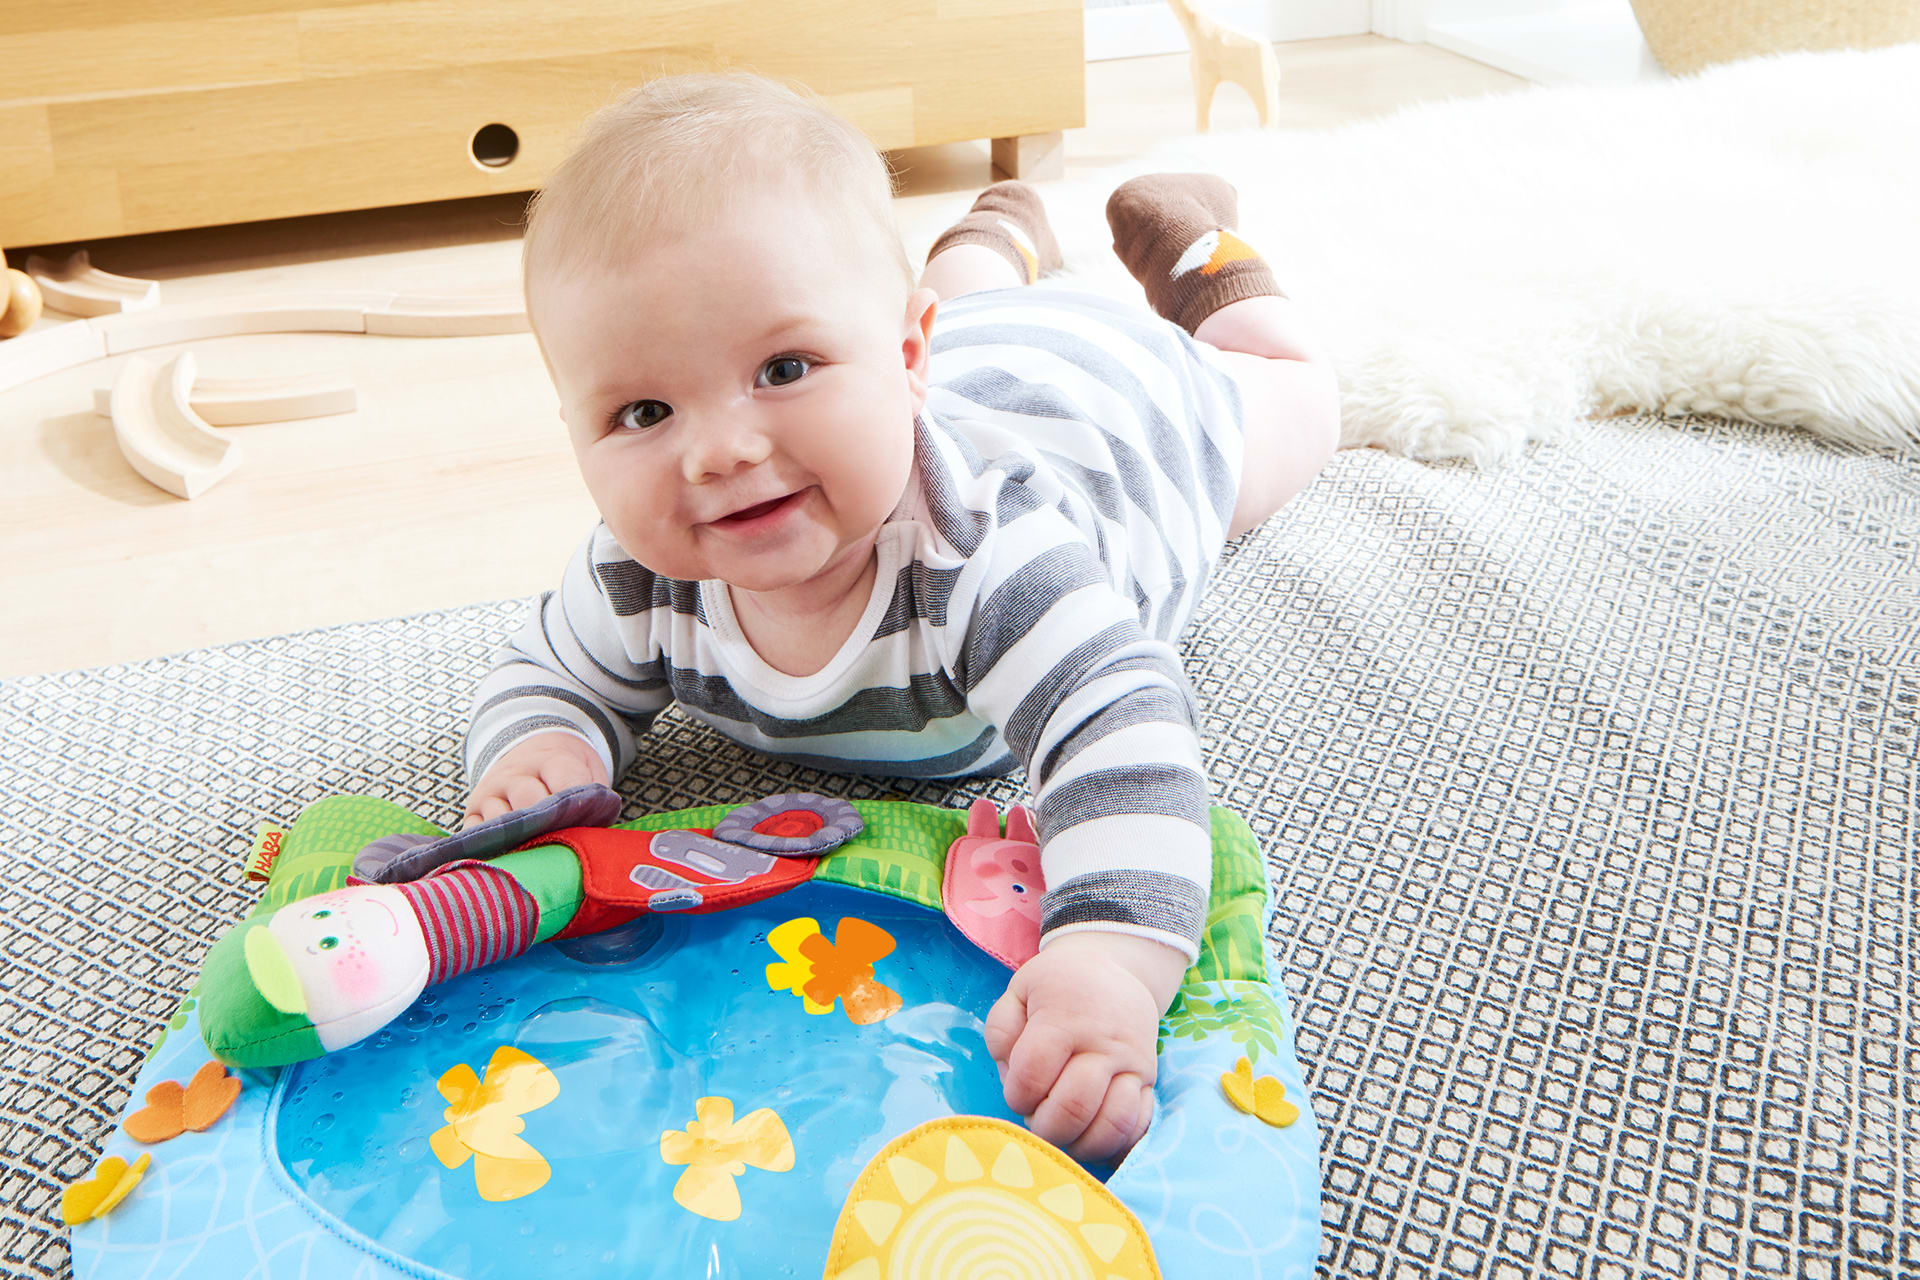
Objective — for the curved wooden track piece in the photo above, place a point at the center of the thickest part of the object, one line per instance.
(79, 288)
(337, 312)
(161, 436)
(239, 402)
(36, 355)
(429, 315)
(48, 350)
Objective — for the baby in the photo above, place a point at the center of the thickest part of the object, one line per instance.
(925, 531)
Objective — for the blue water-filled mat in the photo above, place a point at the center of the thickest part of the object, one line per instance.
(585, 1064)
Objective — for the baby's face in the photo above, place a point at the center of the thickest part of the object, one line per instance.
(741, 397)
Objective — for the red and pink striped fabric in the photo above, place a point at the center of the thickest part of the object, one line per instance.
(473, 914)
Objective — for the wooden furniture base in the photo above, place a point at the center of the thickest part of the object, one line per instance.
(125, 116)
(1034, 157)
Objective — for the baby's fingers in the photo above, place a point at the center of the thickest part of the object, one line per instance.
(517, 791)
(563, 771)
(1005, 1021)
(1120, 1122)
(485, 809)
(1034, 1065)
(1074, 1103)
(525, 791)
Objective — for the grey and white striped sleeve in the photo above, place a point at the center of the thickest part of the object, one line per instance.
(568, 668)
(1101, 714)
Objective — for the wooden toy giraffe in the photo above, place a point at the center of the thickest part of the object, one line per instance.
(1220, 52)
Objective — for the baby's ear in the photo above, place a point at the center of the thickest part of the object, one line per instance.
(916, 342)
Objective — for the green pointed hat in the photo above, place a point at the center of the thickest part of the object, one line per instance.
(252, 1011)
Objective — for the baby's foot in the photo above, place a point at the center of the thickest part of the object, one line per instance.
(1174, 232)
(1009, 219)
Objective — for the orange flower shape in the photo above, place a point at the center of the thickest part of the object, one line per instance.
(172, 1110)
(844, 968)
(821, 972)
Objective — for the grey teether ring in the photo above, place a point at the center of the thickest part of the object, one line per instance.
(841, 821)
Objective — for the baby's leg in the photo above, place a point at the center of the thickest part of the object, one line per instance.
(1174, 232)
(1003, 241)
(1290, 398)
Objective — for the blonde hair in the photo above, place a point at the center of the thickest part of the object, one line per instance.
(674, 151)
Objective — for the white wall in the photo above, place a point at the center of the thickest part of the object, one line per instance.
(1135, 28)
(1546, 41)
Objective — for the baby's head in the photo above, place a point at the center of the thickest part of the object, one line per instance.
(721, 296)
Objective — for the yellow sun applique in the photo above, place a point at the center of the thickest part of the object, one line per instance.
(484, 1122)
(973, 1198)
(716, 1149)
(1265, 1097)
(101, 1194)
(820, 972)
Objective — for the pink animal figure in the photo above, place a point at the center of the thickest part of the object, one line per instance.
(992, 888)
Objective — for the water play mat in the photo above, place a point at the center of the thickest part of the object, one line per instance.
(794, 1085)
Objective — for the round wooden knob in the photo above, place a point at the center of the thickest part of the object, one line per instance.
(21, 305)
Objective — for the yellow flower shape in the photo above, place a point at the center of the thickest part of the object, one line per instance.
(795, 971)
(717, 1150)
(973, 1198)
(484, 1122)
(1265, 1097)
(99, 1195)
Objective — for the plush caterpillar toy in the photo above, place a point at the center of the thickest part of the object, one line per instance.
(325, 971)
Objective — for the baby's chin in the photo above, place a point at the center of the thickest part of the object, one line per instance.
(770, 579)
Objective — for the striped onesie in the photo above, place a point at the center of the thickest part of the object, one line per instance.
(1076, 463)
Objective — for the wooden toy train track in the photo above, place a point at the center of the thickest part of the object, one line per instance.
(163, 418)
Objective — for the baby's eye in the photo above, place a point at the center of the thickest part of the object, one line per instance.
(323, 913)
(642, 414)
(781, 370)
(326, 944)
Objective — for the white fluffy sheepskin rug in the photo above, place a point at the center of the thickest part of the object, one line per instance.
(1744, 243)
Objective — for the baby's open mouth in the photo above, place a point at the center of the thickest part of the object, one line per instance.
(755, 512)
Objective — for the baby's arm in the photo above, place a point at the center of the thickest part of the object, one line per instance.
(567, 698)
(1101, 714)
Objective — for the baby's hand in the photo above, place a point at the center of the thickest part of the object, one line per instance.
(530, 772)
(1074, 1039)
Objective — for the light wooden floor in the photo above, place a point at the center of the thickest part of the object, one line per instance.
(453, 482)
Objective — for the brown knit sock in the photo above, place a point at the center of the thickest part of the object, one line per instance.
(1174, 232)
(1009, 219)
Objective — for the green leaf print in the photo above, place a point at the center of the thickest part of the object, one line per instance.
(1245, 1011)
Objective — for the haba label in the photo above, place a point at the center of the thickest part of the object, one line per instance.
(266, 849)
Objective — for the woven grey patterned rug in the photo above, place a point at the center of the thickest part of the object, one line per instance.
(1588, 789)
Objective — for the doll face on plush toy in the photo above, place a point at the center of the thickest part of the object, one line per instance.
(358, 955)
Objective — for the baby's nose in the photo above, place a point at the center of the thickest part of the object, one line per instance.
(721, 445)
